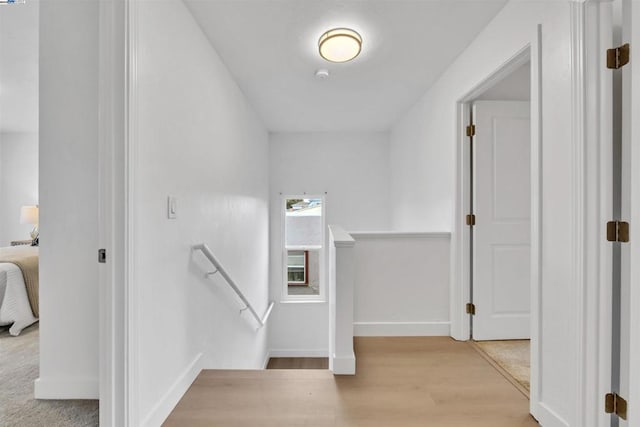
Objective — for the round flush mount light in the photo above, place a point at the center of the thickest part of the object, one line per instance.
(340, 45)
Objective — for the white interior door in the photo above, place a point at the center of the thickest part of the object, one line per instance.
(502, 234)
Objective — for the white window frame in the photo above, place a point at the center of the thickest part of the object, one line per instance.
(304, 266)
(285, 297)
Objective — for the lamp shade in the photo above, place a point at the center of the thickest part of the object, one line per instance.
(29, 215)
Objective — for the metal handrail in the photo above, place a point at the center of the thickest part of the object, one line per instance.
(219, 269)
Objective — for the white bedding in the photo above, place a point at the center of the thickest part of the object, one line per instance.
(15, 309)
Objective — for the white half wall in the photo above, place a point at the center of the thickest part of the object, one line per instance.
(423, 177)
(68, 148)
(18, 183)
(353, 169)
(401, 284)
(199, 141)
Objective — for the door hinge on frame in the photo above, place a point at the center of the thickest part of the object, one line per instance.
(614, 404)
(471, 130)
(102, 256)
(471, 308)
(618, 231)
(471, 220)
(618, 57)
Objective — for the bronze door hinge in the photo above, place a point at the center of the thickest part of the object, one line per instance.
(471, 308)
(471, 130)
(614, 404)
(471, 220)
(618, 57)
(618, 231)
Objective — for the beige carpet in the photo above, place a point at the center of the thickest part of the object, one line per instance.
(19, 367)
(512, 356)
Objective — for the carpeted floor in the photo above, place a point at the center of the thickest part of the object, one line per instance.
(19, 367)
(512, 356)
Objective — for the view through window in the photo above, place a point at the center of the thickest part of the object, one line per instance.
(303, 245)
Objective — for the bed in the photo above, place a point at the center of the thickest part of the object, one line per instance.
(18, 287)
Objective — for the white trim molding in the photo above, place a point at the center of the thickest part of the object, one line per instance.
(402, 329)
(170, 399)
(114, 58)
(547, 417)
(318, 352)
(66, 388)
(578, 93)
(400, 234)
(591, 198)
(130, 150)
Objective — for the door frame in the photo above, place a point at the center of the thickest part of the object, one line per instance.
(632, 32)
(590, 175)
(117, 300)
(460, 325)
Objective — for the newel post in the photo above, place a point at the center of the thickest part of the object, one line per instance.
(342, 359)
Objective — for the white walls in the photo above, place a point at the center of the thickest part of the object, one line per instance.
(18, 183)
(18, 117)
(401, 284)
(422, 178)
(421, 175)
(68, 199)
(353, 169)
(19, 67)
(199, 141)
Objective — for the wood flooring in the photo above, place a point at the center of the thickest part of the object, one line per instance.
(298, 363)
(400, 381)
(511, 358)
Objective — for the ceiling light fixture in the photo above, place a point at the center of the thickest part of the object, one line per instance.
(340, 45)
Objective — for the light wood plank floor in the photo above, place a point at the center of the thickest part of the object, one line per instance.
(298, 363)
(403, 382)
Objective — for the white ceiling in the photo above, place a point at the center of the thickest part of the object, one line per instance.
(270, 47)
(19, 67)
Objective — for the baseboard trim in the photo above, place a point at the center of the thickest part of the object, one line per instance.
(402, 329)
(344, 365)
(548, 417)
(298, 353)
(168, 402)
(64, 388)
(265, 362)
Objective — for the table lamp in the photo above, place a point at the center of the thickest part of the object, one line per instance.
(29, 215)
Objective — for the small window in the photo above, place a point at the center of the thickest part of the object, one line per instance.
(303, 225)
(297, 267)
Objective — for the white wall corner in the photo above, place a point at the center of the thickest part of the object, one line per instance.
(170, 399)
(66, 388)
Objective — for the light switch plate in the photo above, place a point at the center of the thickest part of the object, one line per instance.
(172, 207)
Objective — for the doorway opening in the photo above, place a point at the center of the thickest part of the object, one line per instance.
(497, 198)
